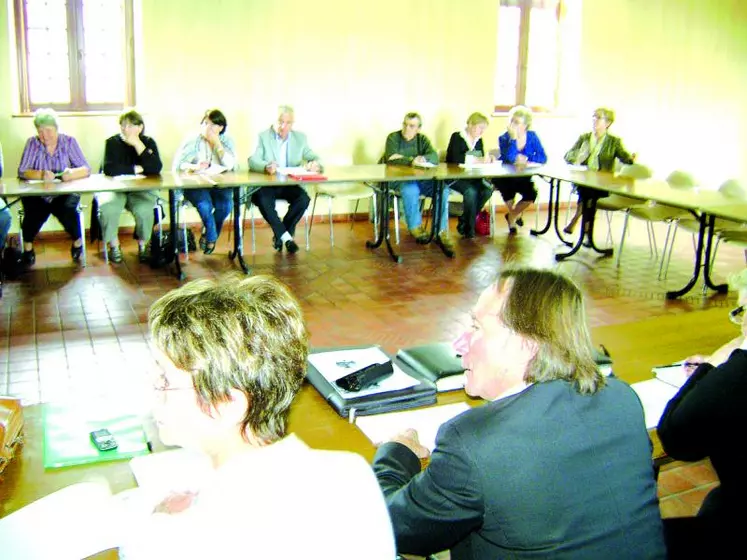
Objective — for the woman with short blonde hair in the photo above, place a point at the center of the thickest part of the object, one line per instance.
(475, 193)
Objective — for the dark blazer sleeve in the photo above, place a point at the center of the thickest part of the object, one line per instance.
(457, 149)
(150, 160)
(705, 404)
(433, 510)
(621, 153)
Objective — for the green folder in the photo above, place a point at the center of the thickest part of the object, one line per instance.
(67, 429)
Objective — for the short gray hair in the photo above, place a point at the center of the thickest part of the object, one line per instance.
(285, 109)
(45, 117)
(523, 112)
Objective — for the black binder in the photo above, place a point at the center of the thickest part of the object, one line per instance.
(348, 405)
(436, 362)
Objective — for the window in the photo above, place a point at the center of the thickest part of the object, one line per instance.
(75, 55)
(538, 50)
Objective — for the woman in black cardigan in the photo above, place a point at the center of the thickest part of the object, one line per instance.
(476, 193)
(707, 418)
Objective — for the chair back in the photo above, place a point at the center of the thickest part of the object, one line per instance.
(732, 188)
(636, 171)
(679, 179)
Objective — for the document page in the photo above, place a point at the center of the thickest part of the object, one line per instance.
(654, 395)
(82, 516)
(426, 421)
(481, 165)
(339, 363)
(674, 374)
(424, 164)
(295, 171)
(128, 177)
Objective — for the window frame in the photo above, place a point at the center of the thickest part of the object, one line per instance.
(526, 7)
(76, 44)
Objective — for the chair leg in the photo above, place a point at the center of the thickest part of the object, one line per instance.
(492, 215)
(622, 239)
(331, 223)
(183, 224)
(84, 256)
(306, 229)
(668, 244)
(355, 212)
(608, 215)
(313, 211)
(254, 237)
(396, 218)
(20, 223)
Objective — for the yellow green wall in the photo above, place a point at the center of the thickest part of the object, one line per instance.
(673, 70)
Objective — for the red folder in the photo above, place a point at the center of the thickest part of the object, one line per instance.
(308, 177)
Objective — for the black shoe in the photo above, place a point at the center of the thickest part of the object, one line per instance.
(460, 226)
(142, 255)
(202, 243)
(520, 221)
(209, 248)
(277, 244)
(77, 252)
(291, 247)
(29, 257)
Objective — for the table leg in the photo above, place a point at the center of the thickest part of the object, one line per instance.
(719, 288)
(238, 232)
(438, 195)
(698, 256)
(174, 235)
(383, 234)
(592, 209)
(548, 223)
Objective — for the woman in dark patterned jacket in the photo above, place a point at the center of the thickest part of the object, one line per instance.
(598, 151)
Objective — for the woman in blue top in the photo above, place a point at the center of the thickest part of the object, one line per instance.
(519, 146)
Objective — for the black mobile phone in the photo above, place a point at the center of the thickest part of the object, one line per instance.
(103, 440)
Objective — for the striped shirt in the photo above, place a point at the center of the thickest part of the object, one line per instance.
(67, 155)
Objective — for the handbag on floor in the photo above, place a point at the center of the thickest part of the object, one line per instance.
(482, 223)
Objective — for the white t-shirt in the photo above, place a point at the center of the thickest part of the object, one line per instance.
(281, 501)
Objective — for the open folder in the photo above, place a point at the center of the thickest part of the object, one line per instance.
(404, 389)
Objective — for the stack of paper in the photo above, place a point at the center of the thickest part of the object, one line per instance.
(426, 421)
(654, 395)
(674, 374)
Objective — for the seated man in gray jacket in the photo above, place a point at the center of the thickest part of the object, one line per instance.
(557, 464)
(280, 146)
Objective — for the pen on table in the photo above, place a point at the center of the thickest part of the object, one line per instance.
(677, 364)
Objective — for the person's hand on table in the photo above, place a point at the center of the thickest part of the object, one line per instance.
(66, 175)
(692, 363)
(271, 168)
(175, 503)
(490, 158)
(48, 175)
(138, 169)
(521, 159)
(395, 156)
(409, 438)
(313, 166)
(418, 159)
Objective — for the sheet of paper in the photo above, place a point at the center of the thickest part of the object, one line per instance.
(36, 181)
(480, 165)
(339, 363)
(424, 164)
(83, 516)
(295, 171)
(534, 164)
(674, 374)
(174, 470)
(128, 177)
(577, 167)
(450, 383)
(214, 169)
(654, 395)
(426, 421)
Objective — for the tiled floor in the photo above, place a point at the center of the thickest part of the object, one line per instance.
(65, 330)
